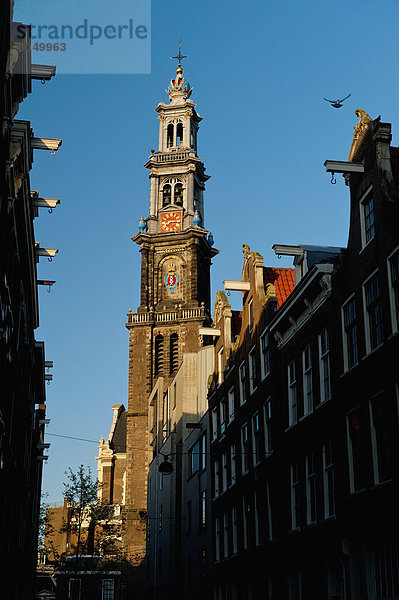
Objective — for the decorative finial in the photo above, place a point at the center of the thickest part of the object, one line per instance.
(246, 251)
(211, 241)
(180, 56)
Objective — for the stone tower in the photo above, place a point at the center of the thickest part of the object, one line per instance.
(176, 252)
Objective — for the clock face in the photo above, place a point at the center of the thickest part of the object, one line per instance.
(171, 221)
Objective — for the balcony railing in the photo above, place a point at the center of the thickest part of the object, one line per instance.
(182, 314)
(171, 156)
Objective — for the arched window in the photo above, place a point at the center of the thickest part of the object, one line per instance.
(178, 195)
(158, 354)
(179, 134)
(169, 137)
(174, 353)
(166, 194)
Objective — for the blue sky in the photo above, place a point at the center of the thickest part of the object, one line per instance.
(259, 71)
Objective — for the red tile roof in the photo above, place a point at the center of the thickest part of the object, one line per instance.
(282, 279)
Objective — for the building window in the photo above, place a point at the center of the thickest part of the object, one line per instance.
(174, 353)
(74, 588)
(245, 449)
(179, 134)
(178, 199)
(108, 589)
(231, 405)
(233, 469)
(386, 568)
(256, 438)
(292, 394)
(160, 518)
(197, 456)
(384, 437)
(243, 390)
(325, 377)
(220, 366)
(310, 489)
(234, 518)
(307, 380)
(202, 516)
(256, 511)
(224, 471)
(222, 415)
(265, 355)
(169, 135)
(252, 371)
(328, 481)
(216, 477)
(393, 279)
(367, 219)
(214, 423)
(373, 313)
(225, 535)
(246, 509)
(350, 335)
(251, 315)
(189, 517)
(166, 194)
(267, 418)
(158, 354)
(295, 506)
(356, 455)
(217, 538)
(294, 585)
(269, 514)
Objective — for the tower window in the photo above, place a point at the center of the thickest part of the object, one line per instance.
(158, 354)
(166, 194)
(174, 352)
(178, 199)
(169, 138)
(179, 134)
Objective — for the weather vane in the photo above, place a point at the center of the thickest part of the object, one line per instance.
(180, 56)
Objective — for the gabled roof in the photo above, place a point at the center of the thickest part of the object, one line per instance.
(283, 279)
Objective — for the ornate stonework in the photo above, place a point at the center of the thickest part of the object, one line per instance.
(359, 131)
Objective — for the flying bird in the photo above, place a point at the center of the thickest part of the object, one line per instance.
(337, 103)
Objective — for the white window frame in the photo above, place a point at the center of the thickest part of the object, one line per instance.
(242, 382)
(230, 405)
(269, 513)
(256, 524)
(292, 394)
(234, 522)
(244, 446)
(256, 438)
(345, 335)
(267, 417)
(224, 471)
(310, 482)
(216, 476)
(222, 415)
(307, 373)
(324, 366)
(244, 523)
(103, 591)
(252, 370)
(366, 314)
(217, 539)
(215, 423)
(264, 350)
(70, 591)
(225, 535)
(327, 469)
(294, 494)
(233, 465)
(392, 303)
(362, 203)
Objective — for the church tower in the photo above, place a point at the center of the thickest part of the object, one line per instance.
(176, 252)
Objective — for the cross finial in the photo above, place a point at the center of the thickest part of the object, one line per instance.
(180, 56)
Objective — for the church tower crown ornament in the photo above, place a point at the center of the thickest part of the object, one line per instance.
(179, 83)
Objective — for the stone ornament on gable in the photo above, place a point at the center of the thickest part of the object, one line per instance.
(359, 131)
(221, 303)
(246, 251)
(325, 283)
